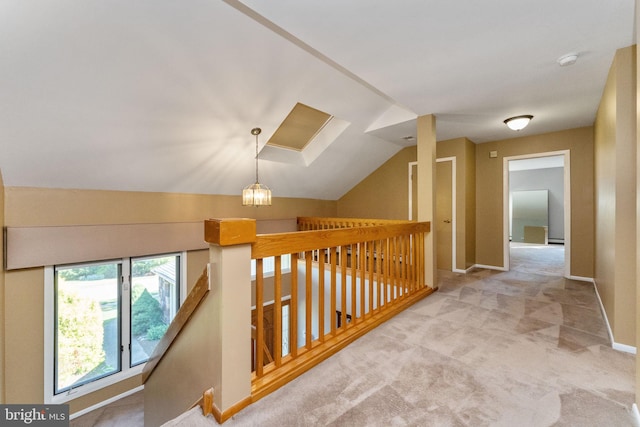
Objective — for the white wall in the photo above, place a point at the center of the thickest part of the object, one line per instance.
(551, 179)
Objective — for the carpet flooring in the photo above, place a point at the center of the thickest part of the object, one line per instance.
(520, 348)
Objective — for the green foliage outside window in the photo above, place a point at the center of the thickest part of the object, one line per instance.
(80, 335)
(146, 313)
(156, 332)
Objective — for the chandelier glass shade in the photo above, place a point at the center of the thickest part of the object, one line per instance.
(256, 194)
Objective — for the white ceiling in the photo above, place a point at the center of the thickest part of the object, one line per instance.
(160, 95)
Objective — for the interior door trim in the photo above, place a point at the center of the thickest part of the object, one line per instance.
(567, 205)
(454, 215)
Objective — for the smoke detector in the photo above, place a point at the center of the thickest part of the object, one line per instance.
(568, 59)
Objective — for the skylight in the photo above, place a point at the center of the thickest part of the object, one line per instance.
(299, 128)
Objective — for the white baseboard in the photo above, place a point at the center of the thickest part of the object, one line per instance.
(616, 346)
(636, 415)
(624, 348)
(604, 313)
(489, 267)
(583, 279)
(106, 402)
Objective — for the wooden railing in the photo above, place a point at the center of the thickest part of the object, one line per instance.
(307, 223)
(344, 277)
(336, 281)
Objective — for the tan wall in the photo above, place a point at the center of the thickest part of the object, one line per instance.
(384, 194)
(489, 197)
(23, 289)
(2, 291)
(41, 206)
(24, 336)
(637, 299)
(615, 192)
(464, 152)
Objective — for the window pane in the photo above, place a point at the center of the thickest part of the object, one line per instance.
(87, 324)
(155, 300)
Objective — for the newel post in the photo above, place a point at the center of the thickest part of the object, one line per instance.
(230, 280)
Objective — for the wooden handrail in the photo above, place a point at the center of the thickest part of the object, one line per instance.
(268, 245)
(323, 223)
(186, 310)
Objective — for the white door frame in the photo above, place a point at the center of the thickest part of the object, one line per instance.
(567, 204)
(454, 215)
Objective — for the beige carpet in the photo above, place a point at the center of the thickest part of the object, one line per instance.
(519, 348)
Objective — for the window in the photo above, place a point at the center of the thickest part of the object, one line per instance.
(154, 302)
(269, 265)
(106, 319)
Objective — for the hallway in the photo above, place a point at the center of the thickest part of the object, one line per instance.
(489, 348)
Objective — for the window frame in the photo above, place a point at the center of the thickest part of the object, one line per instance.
(269, 268)
(126, 370)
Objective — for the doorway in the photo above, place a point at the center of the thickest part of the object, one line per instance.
(559, 208)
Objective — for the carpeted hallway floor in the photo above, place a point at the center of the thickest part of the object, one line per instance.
(520, 348)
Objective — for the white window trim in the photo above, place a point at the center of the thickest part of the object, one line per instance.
(271, 271)
(49, 332)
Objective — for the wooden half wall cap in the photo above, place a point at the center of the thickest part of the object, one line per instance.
(230, 231)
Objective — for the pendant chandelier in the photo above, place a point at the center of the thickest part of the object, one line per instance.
(256, 194)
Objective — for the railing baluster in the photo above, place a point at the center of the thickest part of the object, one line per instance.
(308, 298)
(354, 284)
(371, 256)
(321, 307)
(293, 347)
(343, 293)
(379, 276)
(333, 260)
(362, 253)
(277, 315)
(259, 318)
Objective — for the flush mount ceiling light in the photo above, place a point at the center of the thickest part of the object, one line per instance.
(568, 59)
(256, 194)
(518, 122)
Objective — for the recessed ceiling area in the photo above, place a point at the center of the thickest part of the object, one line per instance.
(299, 128)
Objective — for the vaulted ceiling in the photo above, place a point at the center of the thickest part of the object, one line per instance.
(161, 95)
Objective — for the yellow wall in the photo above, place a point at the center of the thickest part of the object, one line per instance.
(23, 294)
(50, 207)
(637, 299)
(384, 194)
(615, 192)
(489, 197)
(2, 311)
